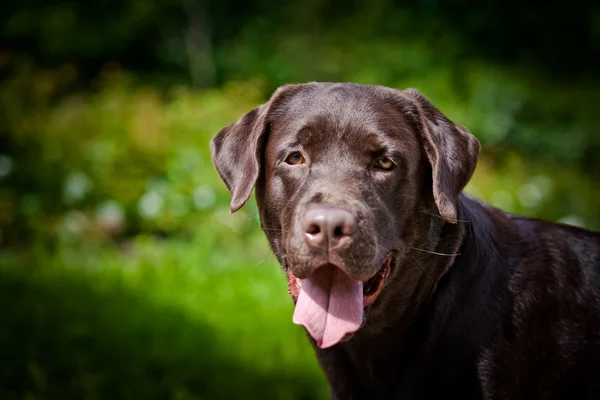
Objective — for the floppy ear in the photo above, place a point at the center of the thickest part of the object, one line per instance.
(237, 150)
(451, 150)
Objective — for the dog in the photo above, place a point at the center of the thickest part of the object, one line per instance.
(407, 287)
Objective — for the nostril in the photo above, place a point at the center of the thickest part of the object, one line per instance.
(338, 232)
(313, 229)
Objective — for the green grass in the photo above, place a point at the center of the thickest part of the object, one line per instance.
(167, 321)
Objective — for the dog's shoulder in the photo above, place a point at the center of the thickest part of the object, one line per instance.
(552, 318)
(560, 242)
(558, 257)
(539, 245)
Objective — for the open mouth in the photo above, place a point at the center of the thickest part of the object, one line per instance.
(330, 304)
(370, 287)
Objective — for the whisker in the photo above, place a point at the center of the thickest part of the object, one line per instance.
(423, 268)
(435, 252)
(271, 229)
(265, 260)
(367, 326)
(351, 254)
(439, 216)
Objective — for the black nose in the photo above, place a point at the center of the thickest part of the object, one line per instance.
(328, 228)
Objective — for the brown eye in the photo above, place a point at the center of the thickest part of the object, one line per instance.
(295, 158)
(384, 163)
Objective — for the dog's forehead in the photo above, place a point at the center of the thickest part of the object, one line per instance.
(346, 113)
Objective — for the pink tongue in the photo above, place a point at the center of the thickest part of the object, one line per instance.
(329, 306)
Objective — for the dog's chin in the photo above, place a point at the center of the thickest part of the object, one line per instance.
(371, 287)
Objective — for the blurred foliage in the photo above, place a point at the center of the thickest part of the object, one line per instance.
(123, 274)
(207, 39)
(128, 158)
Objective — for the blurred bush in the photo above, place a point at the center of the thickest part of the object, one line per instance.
(211, 42)
(120, 161)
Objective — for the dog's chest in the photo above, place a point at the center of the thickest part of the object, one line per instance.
(384, 373)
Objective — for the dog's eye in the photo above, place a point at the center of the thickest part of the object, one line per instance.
(295, 158)
(384, 163)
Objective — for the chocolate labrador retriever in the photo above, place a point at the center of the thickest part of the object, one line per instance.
(407, 288)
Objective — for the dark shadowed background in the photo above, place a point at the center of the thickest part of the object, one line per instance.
(122, 274)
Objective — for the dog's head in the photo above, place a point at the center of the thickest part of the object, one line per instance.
(348, 178)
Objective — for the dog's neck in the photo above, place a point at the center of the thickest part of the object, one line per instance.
(421, 294)
(431, 247)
